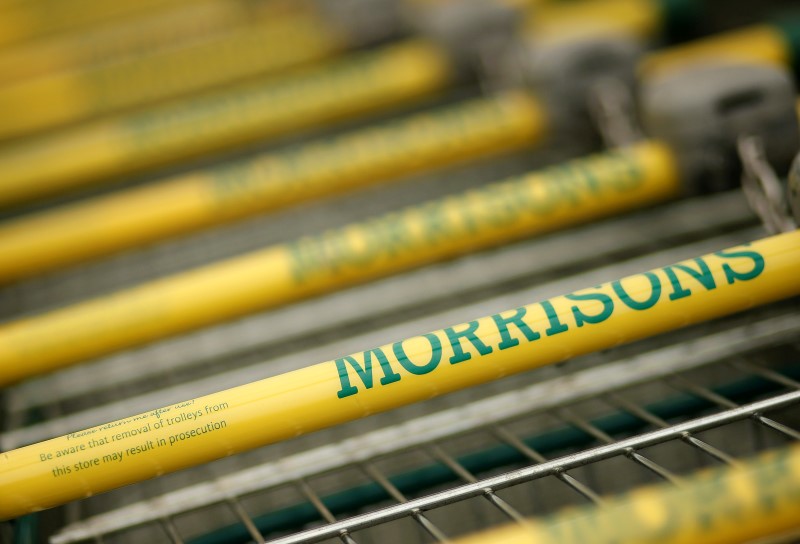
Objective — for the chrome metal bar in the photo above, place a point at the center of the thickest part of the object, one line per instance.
(309, 493)
(395, 493)
(780, 427)
(767, 373)
(240, 512)
(326, 514)
(582, 489)
(171, 530)
(687, 437)
(537, 471)
(570, 417)
(714, 452)
(680, 382)
(429, 527)
(654, 467)
(709, 395)
(508, 510)
(507, 436)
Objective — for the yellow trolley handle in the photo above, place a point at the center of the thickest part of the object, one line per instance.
(263, 109)
(569, 194)
(142, 35)
(264, 47)
(199, 430)
(573, 193)
(101, 226)
(777, 43)
(466, 131)
(755, 500)
(22, 21)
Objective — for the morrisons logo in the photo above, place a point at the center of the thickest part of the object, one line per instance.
(469, 341)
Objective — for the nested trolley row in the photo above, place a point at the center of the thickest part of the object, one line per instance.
(573, 433)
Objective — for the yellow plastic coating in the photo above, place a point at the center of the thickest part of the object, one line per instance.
(138, 34)
(566, 195)
(467, 131)
(330, 393)
(259, 111)
(26, 20)
(517, 4)
(265, 46)
(99, 151)
(567, 20)
(760, 43)
(756, 500)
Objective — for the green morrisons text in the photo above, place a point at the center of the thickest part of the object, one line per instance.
(494, 212)
(194, 121)
(412, 142)
(670, 283)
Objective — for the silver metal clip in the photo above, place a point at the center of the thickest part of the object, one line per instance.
(611, 108)
(475, 32)
(794, 189)
(761, 186)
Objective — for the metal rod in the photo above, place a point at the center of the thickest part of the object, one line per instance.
(504, 434)
(239, 510)
(526, 474)
(426, 524)
(707, 394)
(467, 476)
(592, 430)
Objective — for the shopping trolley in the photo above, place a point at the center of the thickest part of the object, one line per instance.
(518, 446)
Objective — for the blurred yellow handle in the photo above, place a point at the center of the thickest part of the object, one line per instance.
(556, 198)
(70, 234)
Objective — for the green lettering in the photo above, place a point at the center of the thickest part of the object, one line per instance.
(584, 178)
(627, 172)
(732, 275)
(712, 502)
(499, 205)
(305, 255)
(394, 234)
(364, 373)
(775, 482)
(435, 222)
(466, 210)
(436, 355)
(582, 317)
(571, 182)
(469, 333)
(506, 340)
(655, 293)
(556, 326)
(704, 276)
(344, 252)
(543, 202)
(229, 182)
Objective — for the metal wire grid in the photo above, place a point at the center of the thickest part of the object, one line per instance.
(455, 443)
